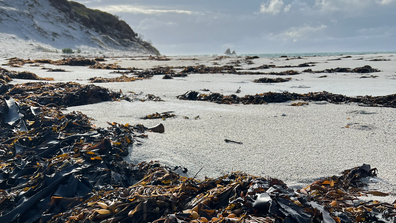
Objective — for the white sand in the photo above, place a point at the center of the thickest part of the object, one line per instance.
(294, 144)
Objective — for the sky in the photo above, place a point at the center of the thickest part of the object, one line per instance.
(185, 27)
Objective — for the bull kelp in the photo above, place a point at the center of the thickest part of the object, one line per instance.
(58, 167)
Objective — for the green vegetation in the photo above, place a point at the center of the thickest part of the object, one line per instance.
(67, 50)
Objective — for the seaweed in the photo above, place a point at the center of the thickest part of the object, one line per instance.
(58, 167)
(273, 97)
(271, 80)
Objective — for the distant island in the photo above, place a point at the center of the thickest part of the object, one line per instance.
(228, 52)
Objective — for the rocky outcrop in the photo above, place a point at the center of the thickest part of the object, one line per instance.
(228, 52)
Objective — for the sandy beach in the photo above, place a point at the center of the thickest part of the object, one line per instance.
(297, 144)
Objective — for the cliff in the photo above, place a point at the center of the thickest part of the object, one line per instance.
(51, 25)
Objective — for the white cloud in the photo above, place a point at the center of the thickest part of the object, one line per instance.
(87, 2)
(153, 23)
(287, 8)
(228, 45)
(350, 6)
(272, 7)
(385, 2)
(299, 33)
(140, 10)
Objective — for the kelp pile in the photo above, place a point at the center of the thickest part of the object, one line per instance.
(266, 66)
(62, 94)
(202, 69)
(271, 80)
(154, 71)
(6, 76)
(110, 67)
(79, 61)
(58, 167)
(365, 69)
(122, 78)
(163, 115)
(273, 97)
(52, 161)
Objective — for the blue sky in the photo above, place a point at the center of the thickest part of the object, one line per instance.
(273, 26)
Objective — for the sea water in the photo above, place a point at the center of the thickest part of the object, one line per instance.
(271, 55)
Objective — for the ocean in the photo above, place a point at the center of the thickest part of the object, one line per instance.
(271, 55)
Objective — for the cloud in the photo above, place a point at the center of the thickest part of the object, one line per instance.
(272, 7)
(140, 10)
(299, 33)
(88, 2)
(152, 23)
(350, 6)
(287, 8)
(385, 2)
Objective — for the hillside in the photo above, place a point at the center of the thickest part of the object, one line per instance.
(29, 26)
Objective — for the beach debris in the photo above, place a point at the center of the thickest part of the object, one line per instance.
(158, 58)
(163, 116)
(380, 59)
(183, 58)
(51, 162)
(100, 59)
(164, 196)
(55, 70)
(232, 141)
(202, 69)
(273, 97)
(110, 67)
(122, 78)
(27, 75)
(7, 76)
(75, 61)
(154, 71)
(265, 66)
(271, 80)
(364, 69)
(167, 76)
(58, 167)
(160, 128)
(150, 97)
(371, 76)
(282, 73)
(4, 78)
(299, 103)
(63, 94)
(251, 57)
(300, 86)
(221, 57)
(179, 75)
